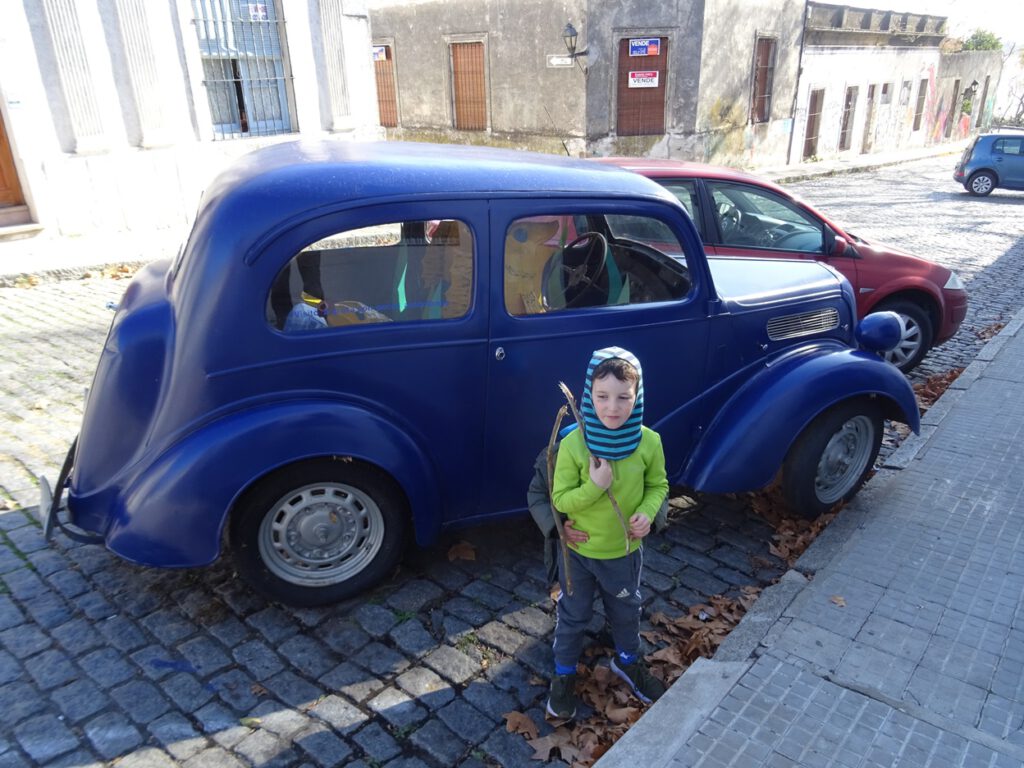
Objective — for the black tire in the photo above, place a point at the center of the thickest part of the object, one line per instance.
(918, 334)
(831, 458)
(318, 532)
(981, 183)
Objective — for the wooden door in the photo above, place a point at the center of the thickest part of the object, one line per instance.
(10, 188)
(643, 66)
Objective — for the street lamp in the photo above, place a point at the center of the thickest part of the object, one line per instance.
(569, 37)
(970, 90)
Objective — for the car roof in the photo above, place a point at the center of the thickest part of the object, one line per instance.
(287, 178)
(656, 167)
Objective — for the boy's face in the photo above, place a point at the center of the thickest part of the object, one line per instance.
(613, 400)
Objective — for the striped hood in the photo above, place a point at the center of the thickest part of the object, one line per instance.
(607, 443)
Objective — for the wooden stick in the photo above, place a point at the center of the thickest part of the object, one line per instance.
(583, 430)
(562, 544)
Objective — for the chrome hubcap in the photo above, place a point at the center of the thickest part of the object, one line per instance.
(909, 343)
(321, 534)
(844, 459)
(982, 184)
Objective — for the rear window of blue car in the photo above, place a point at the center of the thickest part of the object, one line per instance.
(1009, 146)
(406, 271)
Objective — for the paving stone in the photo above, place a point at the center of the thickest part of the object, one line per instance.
(274, 624)
(354, 681)
(79, 759)
(147, 757)
(236, 689)
(470, 611)
(49, 610)
(154, 662)
(514, 678)
(221, 725)
(537, 656)
(50, 669)
(111, 735)
(412, 638)
(121, 633)
(451, 664)
(24, 640)
(448, 578)
(94, 605)
(343, 636)
(509, 750)
(531, 621)
(375, 619)
(501, 636)
(168, 626)
(44, 738)
(381, 660)
(323, 747)
(24, 584)
(76, 636)
(279, 720)
(107, 667)
(258, 659)
(265, 749)
(426, 687)
(308, 656)
(489, 699)
(176, 734)
(141, 700)
(239, 599)
(414, 595)
(10, 616)
(487, 594)
(293, 690)
(466, 720)
(187, 693)
(439, 742)
(377, 743)
(397, 708)
(214, 757)
(205, 655)
(230, 631)
(703, 583)
(338, 713)
(10, 668)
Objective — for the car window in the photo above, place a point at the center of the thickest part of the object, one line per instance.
(686, 193)
(560, 262)
(398, 272)
(750, 217)
(1008, 146)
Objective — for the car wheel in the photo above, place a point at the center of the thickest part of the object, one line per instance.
(981, 183)
(318, 532)
(915, 334)
(830, 460)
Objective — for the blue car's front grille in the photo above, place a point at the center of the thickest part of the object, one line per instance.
(803, 324)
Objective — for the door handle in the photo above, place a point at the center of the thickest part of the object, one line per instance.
(499, 354)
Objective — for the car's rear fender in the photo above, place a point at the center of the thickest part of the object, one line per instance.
(174, 513)
(745, 445)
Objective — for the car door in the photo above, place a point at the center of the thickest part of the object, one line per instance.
(753, 221)
(541, 333)
(1008, 153)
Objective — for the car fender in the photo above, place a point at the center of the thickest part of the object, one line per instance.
(174, 512)
(902, 286)
(747, 442)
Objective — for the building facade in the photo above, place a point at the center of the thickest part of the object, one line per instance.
(115, 113)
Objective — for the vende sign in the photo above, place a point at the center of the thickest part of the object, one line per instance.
(643, 79)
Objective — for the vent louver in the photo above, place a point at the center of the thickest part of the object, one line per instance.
(804, 324)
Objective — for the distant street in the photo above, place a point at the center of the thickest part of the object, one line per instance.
(101, 659)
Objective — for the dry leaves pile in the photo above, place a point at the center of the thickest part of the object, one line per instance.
(792, 535)
(931, 389)
(989, 331)
(680, 640)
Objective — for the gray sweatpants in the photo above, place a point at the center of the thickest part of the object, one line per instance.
(618, 582)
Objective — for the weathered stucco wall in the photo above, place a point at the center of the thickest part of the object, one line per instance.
(530, 104)
(966, 66)
(723, 131)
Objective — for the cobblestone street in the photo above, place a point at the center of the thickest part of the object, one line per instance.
(101, 660)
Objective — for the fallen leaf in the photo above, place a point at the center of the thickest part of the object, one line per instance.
(838, 600)
(250, 722)
(560, 739)
(517, 722)
(462, 551)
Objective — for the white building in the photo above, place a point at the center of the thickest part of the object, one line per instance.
(114, 114)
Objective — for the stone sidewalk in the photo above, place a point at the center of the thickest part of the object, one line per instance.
(906, 645)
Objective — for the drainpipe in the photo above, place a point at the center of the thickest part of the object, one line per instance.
(796, 90)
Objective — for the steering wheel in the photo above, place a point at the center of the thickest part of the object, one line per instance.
(729, 217)
(589, 257)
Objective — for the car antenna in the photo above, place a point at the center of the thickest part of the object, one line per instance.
(554, 126)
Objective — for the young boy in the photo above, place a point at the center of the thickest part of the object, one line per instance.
(615, 452)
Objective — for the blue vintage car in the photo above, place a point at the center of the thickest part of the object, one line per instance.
(361, 343)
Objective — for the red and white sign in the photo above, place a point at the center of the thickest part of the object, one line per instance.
(648, 79)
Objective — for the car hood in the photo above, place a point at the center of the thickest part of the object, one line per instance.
(764, 282)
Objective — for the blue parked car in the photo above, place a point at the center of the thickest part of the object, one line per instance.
(361, 343)
(992, 160)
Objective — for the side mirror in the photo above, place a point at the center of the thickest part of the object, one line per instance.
(838, 246)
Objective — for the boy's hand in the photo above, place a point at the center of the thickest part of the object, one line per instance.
(573, 535)
(601, 472)
(639, 526)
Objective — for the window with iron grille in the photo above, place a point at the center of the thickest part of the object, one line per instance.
(245, 68)
(764, 74)
(469, 86)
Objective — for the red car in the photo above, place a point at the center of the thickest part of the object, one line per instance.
(741, 215)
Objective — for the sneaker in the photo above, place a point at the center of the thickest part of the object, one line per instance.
(646, 687)
(562, 699)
